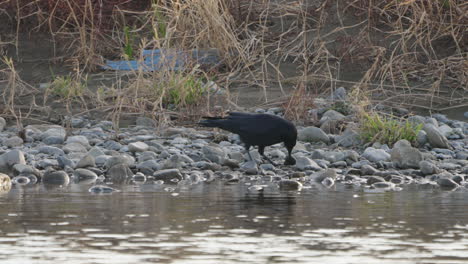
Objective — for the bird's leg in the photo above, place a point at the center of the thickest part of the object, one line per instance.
(247, 147)
(261, 150)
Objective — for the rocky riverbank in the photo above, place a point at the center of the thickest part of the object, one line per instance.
(93, 153)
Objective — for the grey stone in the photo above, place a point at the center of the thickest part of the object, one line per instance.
(119, 173)
(322, 175)
(339, 94)
(145, 122)
(54, 131)
(404, 156)
(147, 155)
(78, 139)
(304, 163)
(373, 179)
(249, 167)
(290, 185)
(112, 145)
(349, 138)
(427, 168)
(368, 170)
(447, 183)
(138, 147)
(148, 166)
(102, 189)
(384, 185)
(56, 177)
(231, 163)
(168, 176)
(313, 134)
(50, 150)
(74, 147)
(102, 159)
(328, 182)
(332, 115)
(417, 120)
(85, 175)
(25, 169)
(45, 163)
(20, 180)
(14, 141)
(2, 126)
(214, 154)
(96, 152)
(5, 181)
(375, 155)
(86, 161)
(441, 118)
(53, 140)
(64, 162)
(432, 121)
(449, 166)
(445, 130)
(421, 138)
(462, 155)
(121, 159)
(10, 158)
(435, 138)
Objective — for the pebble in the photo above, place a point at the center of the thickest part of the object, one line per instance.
(56, 178)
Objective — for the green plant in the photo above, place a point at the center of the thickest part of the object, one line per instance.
(184, 90)
(67, 87)
(387, 130)
(341, 107)
(129, 39)
(159, 23)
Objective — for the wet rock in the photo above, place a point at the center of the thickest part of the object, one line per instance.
(64, 162)
(368, 170)
(297, 174)
(328, 182)
(20, 180)
(25, 169)
(12, 142)
(313, 134)
(139, 178)
(10, 158)
(169, 176)
(462, 155)
(322, 175)
(435, 138)
(249, 167)
(373, 179)
(427, 167)
(349, 138)
(458, 178)
(447, 183)
(214, 154)
(119, 173)
(375, 155)
(175, 161)
(5, 181)
(86, 161)
(203, 165)
(148, 167)
(2, 126)
(85, 175)
(290, 185)
(404, 156)
(138, 147)
(102, 189)
(304, 163)
(386, 186)
(231, 163)
(339, 164)
(56, 178)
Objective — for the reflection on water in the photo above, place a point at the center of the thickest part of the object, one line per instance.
(216, 223)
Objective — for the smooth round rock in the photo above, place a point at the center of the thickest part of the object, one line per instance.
(56, 177)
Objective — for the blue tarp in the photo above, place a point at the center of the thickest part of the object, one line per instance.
(154, 60)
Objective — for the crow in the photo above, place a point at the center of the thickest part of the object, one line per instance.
(258, 130)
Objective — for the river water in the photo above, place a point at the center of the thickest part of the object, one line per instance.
(219, 223)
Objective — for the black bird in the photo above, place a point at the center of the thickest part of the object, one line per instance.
(258, 130)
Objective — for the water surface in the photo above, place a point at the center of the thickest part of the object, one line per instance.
(218, 223)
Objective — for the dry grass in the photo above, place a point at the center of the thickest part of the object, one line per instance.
(411, 52)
